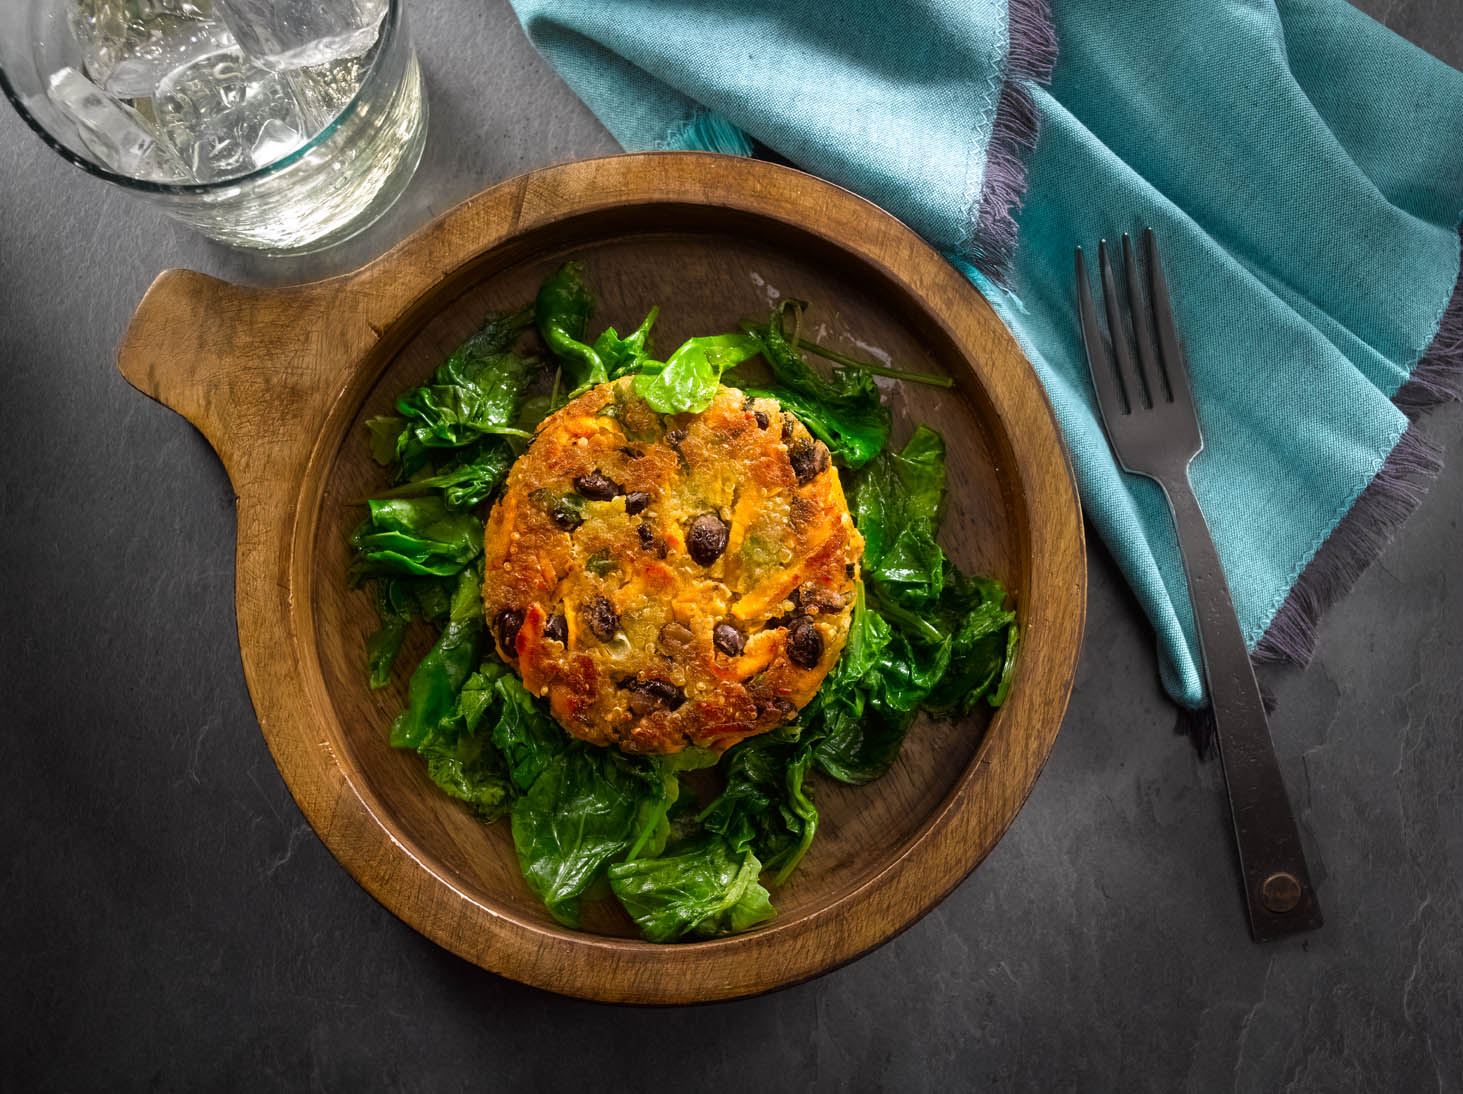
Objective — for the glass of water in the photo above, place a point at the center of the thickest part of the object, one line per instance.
(282, 126)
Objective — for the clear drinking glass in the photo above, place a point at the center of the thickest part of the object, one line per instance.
(282, 153)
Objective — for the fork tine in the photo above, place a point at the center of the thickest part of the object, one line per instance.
(1122, 349)
(1104, 379)
(1175, 370)
(1154, 382)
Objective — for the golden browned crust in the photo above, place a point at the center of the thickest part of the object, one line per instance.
(668, 580)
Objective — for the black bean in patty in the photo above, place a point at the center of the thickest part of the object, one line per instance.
(804, 643)
(706, 539)
(602, 618)
(808, 459)
(650, 541)
(596, 486)
(785, 709)
(762, 420)
(557, 628)
(728, 639)
(788, 421)
(653, 693)
(636, 502)
(506, 623)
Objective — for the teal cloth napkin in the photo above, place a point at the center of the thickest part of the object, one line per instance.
(1301, 164)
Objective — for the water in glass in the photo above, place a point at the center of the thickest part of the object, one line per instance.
(185, 92)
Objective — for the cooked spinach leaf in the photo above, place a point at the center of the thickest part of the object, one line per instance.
(864, 710)
(853, 744)
(688, 380)
(844, 410)
(561, 311)
(444, 706)
(433, 691)
(384, 431)
(653, 826)
(1008, 666)
(845, 387)
(399, 600)
(854, 434)
(465, 482)
(703, 889)
(622, 356)
(765, 806)
(479, 694)
(396, 607)
(577, 817)
(474, 393)
(980, 634)
(460, 759)
(469, 770)
(382, 648)
(415, 536)
(898, 503)
(525, 734)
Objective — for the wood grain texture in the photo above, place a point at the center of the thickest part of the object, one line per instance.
(280, 380)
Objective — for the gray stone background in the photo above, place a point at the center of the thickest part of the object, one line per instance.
(169, 920)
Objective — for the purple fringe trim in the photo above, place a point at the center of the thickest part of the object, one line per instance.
(1357, 539)
(1383, 506)
(1438, 377)
(1031, 54)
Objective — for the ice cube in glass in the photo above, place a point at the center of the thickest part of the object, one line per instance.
(289, 34)
(213, 111)
(115, 133)
(128, 46)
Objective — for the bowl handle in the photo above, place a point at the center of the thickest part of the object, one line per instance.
(251, 368)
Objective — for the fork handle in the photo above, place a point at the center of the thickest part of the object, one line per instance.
(1278, 891)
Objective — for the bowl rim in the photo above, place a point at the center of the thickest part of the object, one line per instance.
(365, 317)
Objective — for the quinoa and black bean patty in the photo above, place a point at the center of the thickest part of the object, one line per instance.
(671, 580)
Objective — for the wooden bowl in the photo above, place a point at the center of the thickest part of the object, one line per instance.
(279, 381)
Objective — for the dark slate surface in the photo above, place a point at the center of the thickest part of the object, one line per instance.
(169, 919)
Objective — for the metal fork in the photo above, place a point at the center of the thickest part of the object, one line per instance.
(1148, 410)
